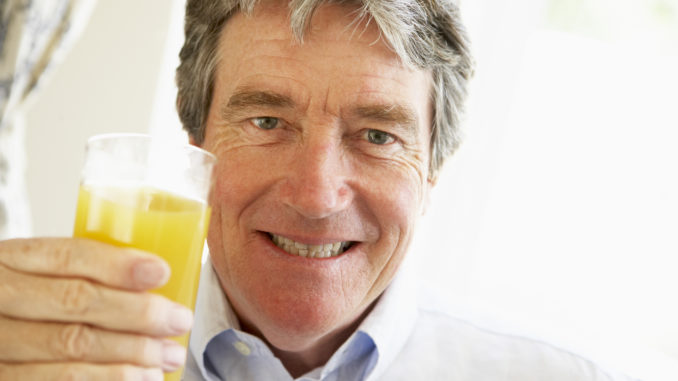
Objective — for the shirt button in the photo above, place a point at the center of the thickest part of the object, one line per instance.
(242, 348)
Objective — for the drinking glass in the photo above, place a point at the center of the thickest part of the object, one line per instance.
(143, 192)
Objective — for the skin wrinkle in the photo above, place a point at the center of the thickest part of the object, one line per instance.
(411, 163)
(315, 176)
(236, 141)
(363, 76)
(276, 59)
(378, 77)
(408, 35)
(347, 57)
(394, 114)
(286, 101)
(277, 43)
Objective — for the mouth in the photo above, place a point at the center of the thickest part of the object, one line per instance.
(327, 250)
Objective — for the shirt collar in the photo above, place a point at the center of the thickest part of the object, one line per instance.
(388, 325)
(393, 318)
(213, 315)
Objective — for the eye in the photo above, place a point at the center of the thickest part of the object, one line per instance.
(379, 137)
(265, 122)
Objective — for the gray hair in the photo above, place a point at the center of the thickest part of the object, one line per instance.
(426, 34)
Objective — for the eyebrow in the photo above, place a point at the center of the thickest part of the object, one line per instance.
(245, 98)
(391, 113)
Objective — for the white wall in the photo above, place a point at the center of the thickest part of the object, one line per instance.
(106, 83)
(560, 209)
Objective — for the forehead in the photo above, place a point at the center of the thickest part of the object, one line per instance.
(333, 32)
(340, 55)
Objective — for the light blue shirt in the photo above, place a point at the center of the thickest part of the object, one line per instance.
(405, 337)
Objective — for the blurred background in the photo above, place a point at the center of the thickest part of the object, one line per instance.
(560, 210)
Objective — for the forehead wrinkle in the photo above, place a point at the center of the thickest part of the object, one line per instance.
(373, 82)
(278, 42)
(390, 78)
(270, 64)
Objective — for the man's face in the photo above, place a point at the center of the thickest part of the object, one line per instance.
(322, 151)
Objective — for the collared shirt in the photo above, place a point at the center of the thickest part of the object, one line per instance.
(403, 338)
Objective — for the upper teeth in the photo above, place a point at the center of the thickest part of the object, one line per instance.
(312, 251)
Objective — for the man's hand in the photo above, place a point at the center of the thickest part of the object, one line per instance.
(78, 309)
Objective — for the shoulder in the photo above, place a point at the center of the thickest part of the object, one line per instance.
(459, 345)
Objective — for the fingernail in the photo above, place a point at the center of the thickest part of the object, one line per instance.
(180, 319)
(149, 273)
(173, 355)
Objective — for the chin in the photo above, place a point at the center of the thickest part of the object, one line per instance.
(296, 325)
(296, 338)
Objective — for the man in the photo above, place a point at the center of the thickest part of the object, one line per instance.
(330, 122)
(335, 134)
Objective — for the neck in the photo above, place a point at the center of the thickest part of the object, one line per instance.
(298, 363)
(302, 362)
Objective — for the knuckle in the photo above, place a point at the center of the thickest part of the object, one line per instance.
(8, 247)
(8, 288)
(75, 341)
(37, 253)
(60, 257)
(77, 296)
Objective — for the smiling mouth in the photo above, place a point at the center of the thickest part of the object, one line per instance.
(327, 250)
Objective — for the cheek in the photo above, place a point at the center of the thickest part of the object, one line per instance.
(397, 204)
(232, 193)
(401, 191)
(224, 198)
(401, 203)
(243, 178)
(236, 176)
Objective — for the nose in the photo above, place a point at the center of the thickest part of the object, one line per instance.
(317, 182)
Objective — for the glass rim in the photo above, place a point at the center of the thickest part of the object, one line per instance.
(188, 146)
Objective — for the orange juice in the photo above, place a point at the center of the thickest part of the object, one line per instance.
(159, 222)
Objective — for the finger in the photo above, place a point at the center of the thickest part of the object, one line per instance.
(77, 371)
(25, 296)
(76, 257)
(24, 341)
